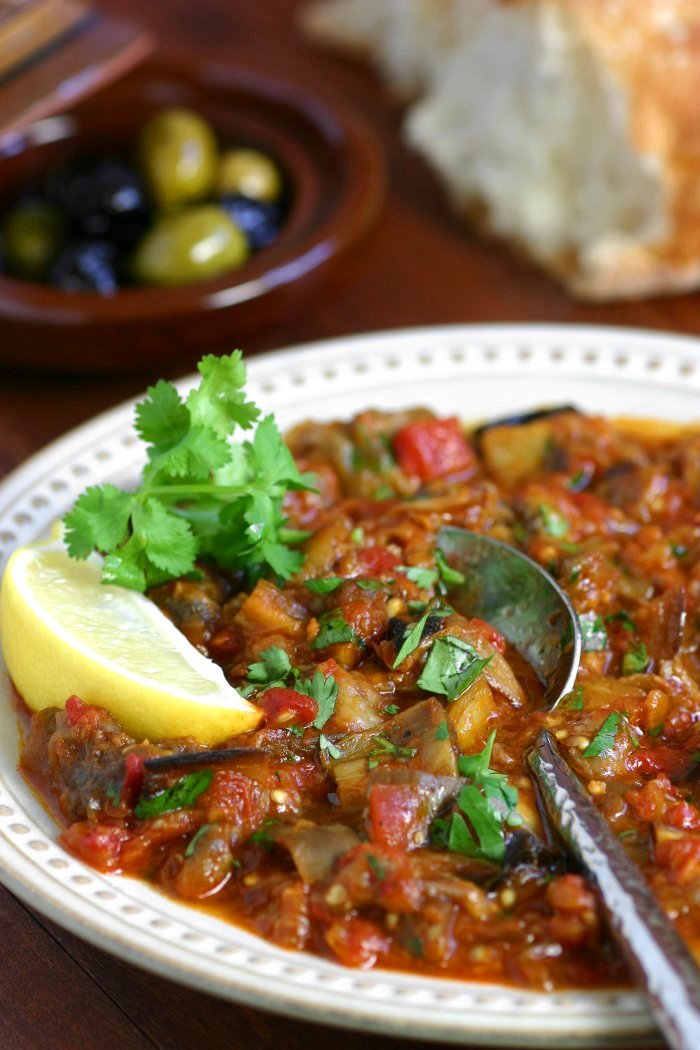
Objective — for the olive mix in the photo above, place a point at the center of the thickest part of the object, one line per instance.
(182, 210)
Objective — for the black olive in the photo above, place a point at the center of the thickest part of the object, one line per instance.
(103, 197)
(525, 417)
(259, 220)
(86, 266)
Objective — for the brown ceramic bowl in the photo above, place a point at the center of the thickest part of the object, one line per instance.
(335, 173)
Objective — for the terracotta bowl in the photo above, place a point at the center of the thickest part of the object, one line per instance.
(335, 173)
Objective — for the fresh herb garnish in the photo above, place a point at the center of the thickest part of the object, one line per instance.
(448, 575)
(679, 550)
(327, 745)
(182, 793)
(636, 660)
(411, 640)
(451, 667)
(392, 709)
(262, 838)
(324, 691)
(369, 585)
(476, 827)
(333, 630)
(200, 495)
(553, 523)
(442, 732)
(418, 574)
(575, 701)
(272, 668)
(325, 585)
(376, 866)
(594, 637)
(656, 731)
(624, 619)
(385, 748)
(195, 839)
(604, 740)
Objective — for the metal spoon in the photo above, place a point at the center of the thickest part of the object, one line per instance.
(510, 591)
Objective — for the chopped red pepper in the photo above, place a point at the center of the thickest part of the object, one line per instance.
(433, 449)
(357, 942)
(287, 707)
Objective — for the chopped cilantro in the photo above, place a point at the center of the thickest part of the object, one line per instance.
(369, 585)
(325, 585)
(636, 660)
(418, 574)
(261, 837)
(624, 619)
(385, 748)
(274, 666)
(411, 640)
(357, 535)
(594, 637)
(628, 833)
(376, 866)
(451, 667)
(656, 731)
(442, 732)
(195, 839)
(194, 476)
(476, 827)
(448, 575)
(327, 745)
(575, 701)
(553, 523)
(392, 709)
(324, 691)
(604, 740)
(333, 630)
(182, 793)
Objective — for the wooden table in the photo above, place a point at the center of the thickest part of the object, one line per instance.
(57, 991)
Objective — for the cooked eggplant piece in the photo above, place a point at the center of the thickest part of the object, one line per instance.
(521, 419)
(314, 848)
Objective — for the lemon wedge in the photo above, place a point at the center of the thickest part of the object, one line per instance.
(65, 632)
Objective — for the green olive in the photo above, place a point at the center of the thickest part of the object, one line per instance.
(198, 242)
(33, 233)
(250, 173)
(178, 157)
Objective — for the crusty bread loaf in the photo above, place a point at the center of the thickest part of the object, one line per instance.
(569, 127)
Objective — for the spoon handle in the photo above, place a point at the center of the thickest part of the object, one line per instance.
(657, 957)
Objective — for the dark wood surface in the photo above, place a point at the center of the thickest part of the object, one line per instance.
(57, 991)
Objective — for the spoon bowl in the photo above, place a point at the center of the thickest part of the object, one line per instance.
(521, 600)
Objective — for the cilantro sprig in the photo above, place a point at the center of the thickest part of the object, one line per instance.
(452, 666)
(183, 793)
(200, 494)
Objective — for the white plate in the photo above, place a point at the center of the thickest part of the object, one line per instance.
(476, 372)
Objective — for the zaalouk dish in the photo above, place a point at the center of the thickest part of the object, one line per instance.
(382, 813)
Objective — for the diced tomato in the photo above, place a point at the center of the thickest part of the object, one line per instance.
(376, 561)
(393, 815)
(681, 857)
(660, 759)
(234, 797)
(433, 448)
(74, 709)
(225, 645)
(133, 778)
(97, 844)
(287, 707)
(489, 634)
(357, 942)
(684, 816)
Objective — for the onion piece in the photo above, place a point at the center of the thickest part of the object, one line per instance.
(314, 848)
